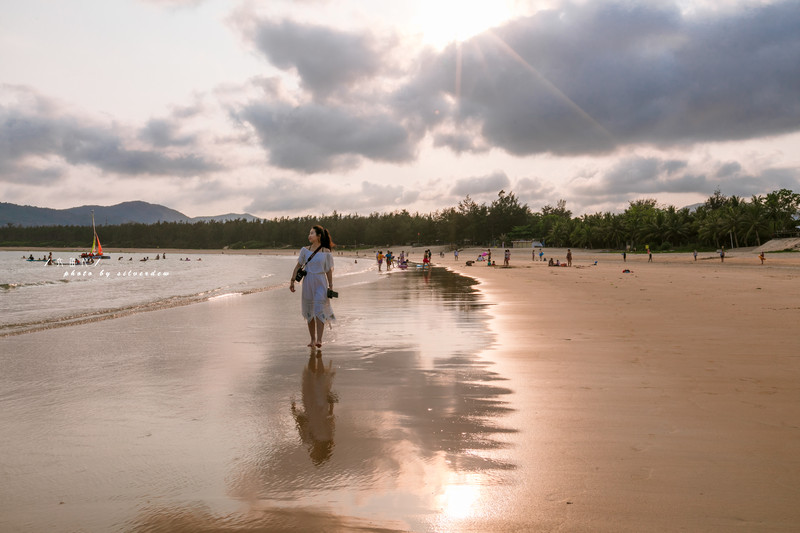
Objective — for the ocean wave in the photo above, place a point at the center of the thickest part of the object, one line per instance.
(13, 286)
(7, 330)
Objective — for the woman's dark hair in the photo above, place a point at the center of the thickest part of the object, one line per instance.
(324, 237)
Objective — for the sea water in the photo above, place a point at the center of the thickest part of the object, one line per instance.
(35, 295)
(216, 416)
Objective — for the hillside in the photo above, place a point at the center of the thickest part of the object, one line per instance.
(126, 212)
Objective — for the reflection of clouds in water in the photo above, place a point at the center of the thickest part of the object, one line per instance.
(315, 422)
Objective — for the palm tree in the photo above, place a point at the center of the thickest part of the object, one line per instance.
(678, 225)
(732, 218)
(712, 228)
(754, 220)
(559, 233)
(614, 228)
(654, 227)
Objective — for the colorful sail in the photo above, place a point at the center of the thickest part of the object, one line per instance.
(97, 249)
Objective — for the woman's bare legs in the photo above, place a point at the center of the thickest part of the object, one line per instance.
(311, 331)
(320, 326)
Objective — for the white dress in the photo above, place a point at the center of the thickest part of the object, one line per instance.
(315, 302)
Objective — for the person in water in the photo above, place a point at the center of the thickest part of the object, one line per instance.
(317, 260)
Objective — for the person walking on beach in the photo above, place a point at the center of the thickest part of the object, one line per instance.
(379, 259)
(761, 256)
(317, 261)
(624, 257)
(649, 255)
(722, 255)
(506, 257)
(695, 255)
(569, 257)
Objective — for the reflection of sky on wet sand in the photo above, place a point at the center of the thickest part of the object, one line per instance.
(399, 425)
(419, 424)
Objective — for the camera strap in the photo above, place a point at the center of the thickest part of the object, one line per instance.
(311, 257)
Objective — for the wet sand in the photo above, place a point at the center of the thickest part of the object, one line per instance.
(557, 399)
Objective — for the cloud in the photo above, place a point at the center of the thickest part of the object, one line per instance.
(326, 60)
(281, 195)
(728, 169)
(314, 138)
(480, 185)
(650, 176)
(286, 195)
(590, 78)
(164, 133)
(29, 174)
(33, 127)
(534, 191)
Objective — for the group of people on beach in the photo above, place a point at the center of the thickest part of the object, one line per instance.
(401, 262)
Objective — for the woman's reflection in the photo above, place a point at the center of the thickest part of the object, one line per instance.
(315, 422)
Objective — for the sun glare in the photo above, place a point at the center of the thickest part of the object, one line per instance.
(442, 22)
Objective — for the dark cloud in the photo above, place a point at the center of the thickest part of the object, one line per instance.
(728, 169)
(642, 176)
(40, 131)
(12, 172)
(459, 142)
(163, 133)
(590, 78)
(315, 138)
(479, 185)
(326, 60)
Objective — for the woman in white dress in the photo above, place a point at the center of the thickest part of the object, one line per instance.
(315, 304)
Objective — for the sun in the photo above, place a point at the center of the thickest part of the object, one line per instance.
(442, 22)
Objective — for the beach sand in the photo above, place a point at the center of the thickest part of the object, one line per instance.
(665, 399)
(556, 399)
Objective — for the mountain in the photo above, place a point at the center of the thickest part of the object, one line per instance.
(692, 208)
(138, 212)
(223, 218)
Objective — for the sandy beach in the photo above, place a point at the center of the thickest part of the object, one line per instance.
(554, 399)
(665, 399)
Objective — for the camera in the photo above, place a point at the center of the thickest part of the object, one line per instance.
(300, 274)
(332, 293)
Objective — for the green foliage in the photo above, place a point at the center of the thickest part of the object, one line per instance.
(718, 222)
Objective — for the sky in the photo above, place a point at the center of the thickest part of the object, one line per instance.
(293, 108)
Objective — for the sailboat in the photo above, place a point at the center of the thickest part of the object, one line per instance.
(97, 249)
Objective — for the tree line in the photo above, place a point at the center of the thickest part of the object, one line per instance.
(720, 221)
